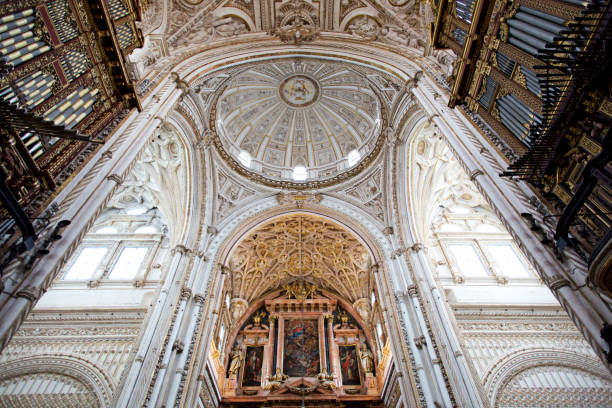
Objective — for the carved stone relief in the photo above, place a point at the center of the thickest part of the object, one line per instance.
(370, 193)
(160, 179)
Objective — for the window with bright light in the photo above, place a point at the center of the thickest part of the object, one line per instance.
(451, 228)
(107, 230)
(353, 157)
(245, 158)
(136, 211)
(86, 263)
(507, 260)
(128, 263)
(300, 173)
(487, 228)
(221, 334)
(468, 260)
(146, 230)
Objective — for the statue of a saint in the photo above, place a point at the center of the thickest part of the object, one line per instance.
(326, 380)
(236, 362)
(367, 359)
(276, 381)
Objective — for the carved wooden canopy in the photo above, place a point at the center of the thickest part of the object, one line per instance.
(304, 247)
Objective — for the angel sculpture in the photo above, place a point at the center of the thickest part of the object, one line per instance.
(276, 381)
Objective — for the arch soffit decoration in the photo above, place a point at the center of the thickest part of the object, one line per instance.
(90, 375)
(309, 209)
(196, 176)
(171, 164)
(415, 127)
(199, 64)
(504, 370)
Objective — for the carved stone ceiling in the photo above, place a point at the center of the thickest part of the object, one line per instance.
(305, 112)
(300, 247)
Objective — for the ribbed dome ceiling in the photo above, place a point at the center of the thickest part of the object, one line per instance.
(298, 113)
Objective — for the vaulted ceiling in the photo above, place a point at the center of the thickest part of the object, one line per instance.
(299, 112)
(300, 247)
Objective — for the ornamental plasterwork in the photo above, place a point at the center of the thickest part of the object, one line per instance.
(300, 112)
(436, 181)
(490, 335)
(231, 193)
(369, 193)
(300, 247)
(67, 391)
(91, 348)
(322, 15)
(176, 27)
(159, 178)
(548, 386)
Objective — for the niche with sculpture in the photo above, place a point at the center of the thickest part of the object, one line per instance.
(300, 340)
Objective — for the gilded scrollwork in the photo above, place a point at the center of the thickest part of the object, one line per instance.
(301, 247)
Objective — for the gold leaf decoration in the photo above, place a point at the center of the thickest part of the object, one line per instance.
(301, 248)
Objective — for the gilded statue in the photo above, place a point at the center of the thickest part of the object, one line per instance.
(367, 359)
(276, 381)
(326, 380)
(300, 291)
(236, 361)
(344, 318)
(257, 318)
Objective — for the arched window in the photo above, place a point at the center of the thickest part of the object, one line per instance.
(122, 248)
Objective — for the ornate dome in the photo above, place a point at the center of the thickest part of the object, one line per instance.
(299, 122)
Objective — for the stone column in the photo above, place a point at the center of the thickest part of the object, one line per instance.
(188, 337)
(137, 382)
(271, 341)
(173, 346)
(467, 390)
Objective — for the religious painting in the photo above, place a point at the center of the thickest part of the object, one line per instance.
(301, 352)
(349, 367)
(253, 363)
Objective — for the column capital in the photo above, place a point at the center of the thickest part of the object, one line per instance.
(185, 293)
(557, 283)
(417, 246)
(182, 249)
(116, 178)
(29, 292)
(475, 173)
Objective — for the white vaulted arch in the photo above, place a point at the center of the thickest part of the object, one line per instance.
(68, 379)
(542, 373)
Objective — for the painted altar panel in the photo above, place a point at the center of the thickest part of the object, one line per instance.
(349, 367)
(301, 348)
(253, 364)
